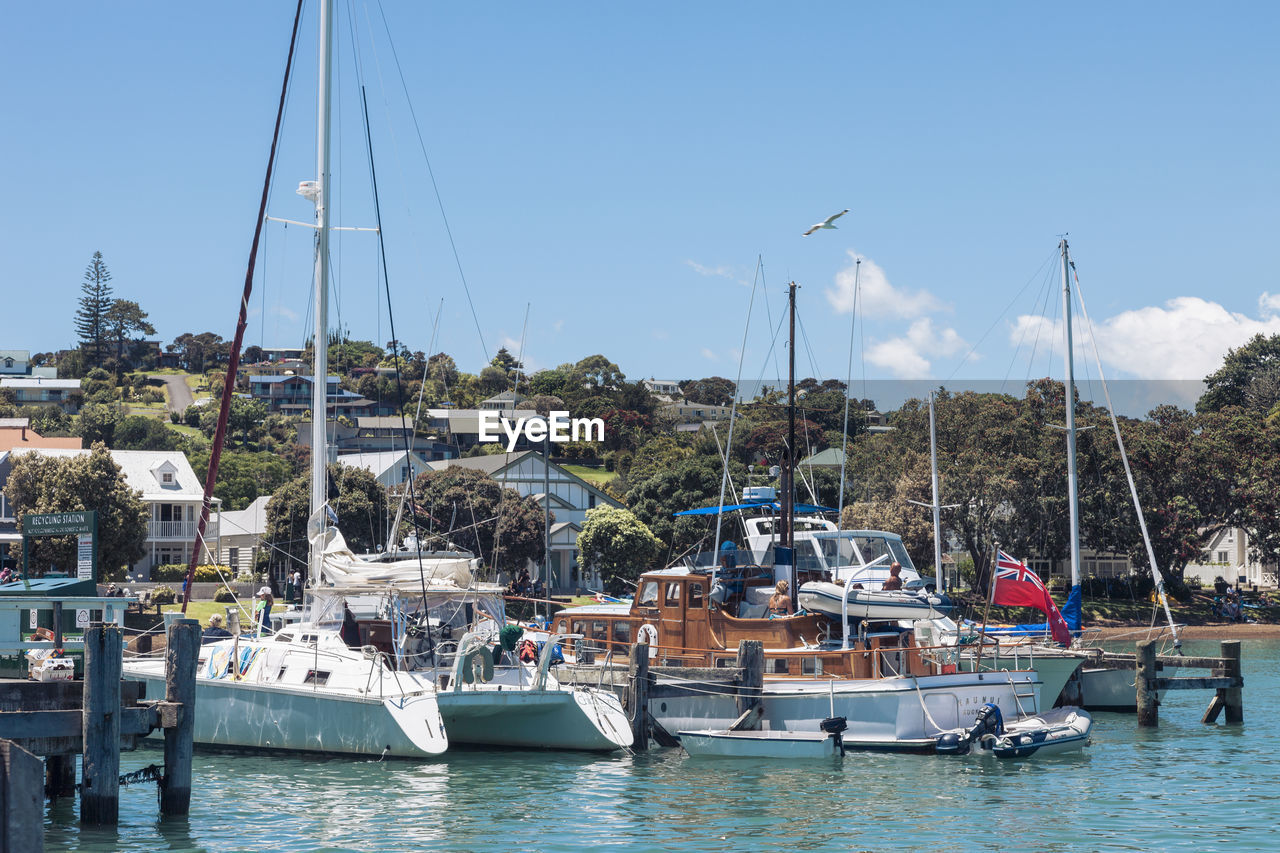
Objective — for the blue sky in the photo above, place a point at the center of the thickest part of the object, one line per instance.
(619, 168)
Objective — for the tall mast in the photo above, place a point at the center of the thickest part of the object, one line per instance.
(937, 510)
(320, 344)
(1073, 497)
(787, 539)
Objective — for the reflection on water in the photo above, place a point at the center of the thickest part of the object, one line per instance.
(1183, 786)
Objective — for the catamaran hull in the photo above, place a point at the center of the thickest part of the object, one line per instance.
(242, 715)
(535, 719)
(890, 714)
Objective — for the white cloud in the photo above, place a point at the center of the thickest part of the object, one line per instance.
(513, 347)
(878, 297)
(557, 326)
(718, 272)
(1186, 338)
(709, 355)
(905, 356)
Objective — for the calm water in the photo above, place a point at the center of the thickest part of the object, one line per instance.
(1184, 786)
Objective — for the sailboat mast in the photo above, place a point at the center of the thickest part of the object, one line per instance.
(787, 539)
(320, 344)
(937, 510)
(1073, 497)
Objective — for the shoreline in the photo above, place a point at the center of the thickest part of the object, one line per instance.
(1212, 631)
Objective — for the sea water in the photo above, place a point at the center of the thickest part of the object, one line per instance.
(1182, 786)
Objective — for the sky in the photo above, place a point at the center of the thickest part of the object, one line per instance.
(637, 177)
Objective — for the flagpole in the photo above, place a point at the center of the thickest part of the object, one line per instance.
(991, 593)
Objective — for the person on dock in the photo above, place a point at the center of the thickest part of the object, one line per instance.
(296, 577)
(780, 601)
(215, 631)
(894, 581)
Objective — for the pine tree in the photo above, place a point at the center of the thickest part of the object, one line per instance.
(91, 317)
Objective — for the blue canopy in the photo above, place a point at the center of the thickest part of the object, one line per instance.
(773, 505)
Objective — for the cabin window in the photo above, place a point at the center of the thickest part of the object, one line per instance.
(280, 674)
(284, 638)
(579, 627)
(649, 594)
(673, 595)
(622, 632)
(811, 666)
(776, 666)
(695, 595)
(600, 630)
(316, 676)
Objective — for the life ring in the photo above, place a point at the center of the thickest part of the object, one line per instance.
(649, 636)
(477, 665)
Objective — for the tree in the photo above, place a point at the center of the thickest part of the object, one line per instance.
(1249, 378)
(712, 391)
(139, 432)
(477, 513)
(90, 481)
(689, 484)
(124, 321)
(354, 495)
(618, 545)
(199, 351)
(98, 422)
(898, 515)
(243, 476)
(91, 316)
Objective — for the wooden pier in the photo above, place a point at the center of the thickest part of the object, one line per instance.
(1225, 679)
(95, 718)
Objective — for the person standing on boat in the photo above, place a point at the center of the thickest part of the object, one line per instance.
(894, 581)
(263, 608)
(780, 601)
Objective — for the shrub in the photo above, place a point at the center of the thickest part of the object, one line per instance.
(1194, 582)
(178, 572)
(163, 595)
(224, 594)
(175, 418)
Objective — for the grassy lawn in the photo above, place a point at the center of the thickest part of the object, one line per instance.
(202, 610)
(185, 430)
(597, 477)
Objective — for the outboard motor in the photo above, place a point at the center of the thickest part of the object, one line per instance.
(988, 722)
(835, 726)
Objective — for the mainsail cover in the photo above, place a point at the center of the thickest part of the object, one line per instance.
(341, 567)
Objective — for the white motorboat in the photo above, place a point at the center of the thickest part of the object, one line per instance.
(871, 604)
(1052, 732)
(827, 742)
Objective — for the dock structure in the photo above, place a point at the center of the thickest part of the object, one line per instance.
(639, 685)
(96, 718)
(1225, 680)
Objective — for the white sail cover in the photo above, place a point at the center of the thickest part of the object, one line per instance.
(341, 567)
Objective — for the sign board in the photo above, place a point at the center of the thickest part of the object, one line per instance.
(84, 556)
(56, 523)
(82, 618)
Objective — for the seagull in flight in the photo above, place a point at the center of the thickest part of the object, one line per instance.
(826, 223)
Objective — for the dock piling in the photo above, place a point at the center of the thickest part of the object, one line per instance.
(100, 781)
(1144, 680)
(22, 818)
(751, 689)
(638, 696)
(180, 660)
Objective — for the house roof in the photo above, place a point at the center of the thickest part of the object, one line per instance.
(381, 462)
(832, 457)
(40, 382)
(388, 422)
(137, 467)
(491, 464)
(249, 521)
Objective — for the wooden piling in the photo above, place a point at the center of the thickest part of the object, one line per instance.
(59, 776)
(1233, 697)
(22, 815)
(100, 782)
(1144, 682)
(638, 696)
(751, 688)
(180, 659)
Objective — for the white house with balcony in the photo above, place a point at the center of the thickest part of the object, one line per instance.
(172, 494)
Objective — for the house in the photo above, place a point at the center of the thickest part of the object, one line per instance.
(43, 391)
(391, 468)
(832, 457)
(17, 433)
(170, 490)
(281, 367)
(291, 395)
(15, 362)
(667, 388)
(689, 413)
(242, 533)
(282, 353)
(504, 402)
(568, 496)
(373, 434)
(1226, 555)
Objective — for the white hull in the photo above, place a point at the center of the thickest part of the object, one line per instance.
(1054, 670)
(770, 744)
(884, 713)
(242, 715)
(870, 604)
(1052, 733)
(565, 718)
(1113, 689)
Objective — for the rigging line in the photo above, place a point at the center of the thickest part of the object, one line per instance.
(1000, 317)
(733, 409)
(768, 312)
(520, 358)
(233, 360)
(1124, 457)
(1013, 359)
(772, 344)
(434, 186)
(814, 372)
(1050, 288)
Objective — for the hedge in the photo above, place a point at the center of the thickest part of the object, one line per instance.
(178, 572)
